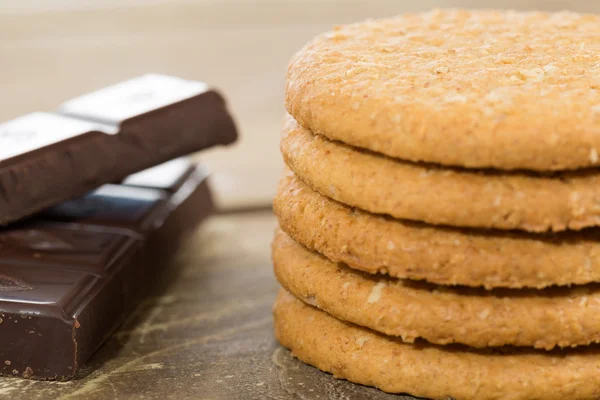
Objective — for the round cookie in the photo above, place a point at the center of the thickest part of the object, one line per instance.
(437, 372)
(544, 319)
(442, 196)
(478, 89)
(445, 256)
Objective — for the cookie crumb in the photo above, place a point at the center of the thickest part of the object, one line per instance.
(484, 314)
(28, 373)
(312, 300)
(533, 74)
(375, 294)
(593, 156)
(588, 264)
(550, 69)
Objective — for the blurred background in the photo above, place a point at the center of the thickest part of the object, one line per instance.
(51, 50)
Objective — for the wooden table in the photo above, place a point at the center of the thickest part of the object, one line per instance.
(209, 335)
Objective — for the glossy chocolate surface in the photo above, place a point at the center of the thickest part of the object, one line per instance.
(158, 128)
(69, 276)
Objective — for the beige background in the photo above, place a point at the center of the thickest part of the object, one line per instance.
(51, 50)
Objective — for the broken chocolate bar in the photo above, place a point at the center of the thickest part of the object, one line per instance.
(69, 276)
(104, 136)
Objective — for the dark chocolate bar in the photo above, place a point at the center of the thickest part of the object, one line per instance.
(103, 137)
(69, 276)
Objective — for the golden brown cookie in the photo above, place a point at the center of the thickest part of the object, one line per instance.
(438, 372)
(563, 317)
(499, 89)
(445, 256)
(442, 196)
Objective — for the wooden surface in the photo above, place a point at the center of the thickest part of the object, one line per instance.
(209, 334)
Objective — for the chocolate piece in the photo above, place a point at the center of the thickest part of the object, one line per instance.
(103, 137)
(168, 176)
(69, 276)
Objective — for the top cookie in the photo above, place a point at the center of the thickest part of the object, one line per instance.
(478, 89)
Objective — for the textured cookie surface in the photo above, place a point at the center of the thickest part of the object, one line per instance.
(545, 319)
(437, 372)
(477, 89)
(445, 256)
(444, 196)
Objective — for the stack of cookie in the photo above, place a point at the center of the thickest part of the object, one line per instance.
(437, 219)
